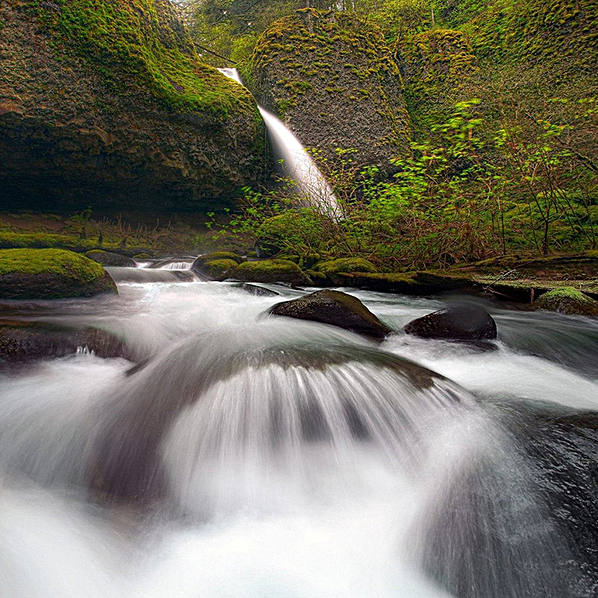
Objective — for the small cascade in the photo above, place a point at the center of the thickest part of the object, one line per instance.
(297, 164)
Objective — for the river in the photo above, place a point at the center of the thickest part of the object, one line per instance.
(288, 459)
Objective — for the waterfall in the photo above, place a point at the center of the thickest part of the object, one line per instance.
(297, 164)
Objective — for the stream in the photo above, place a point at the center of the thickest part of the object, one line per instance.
(264, 457)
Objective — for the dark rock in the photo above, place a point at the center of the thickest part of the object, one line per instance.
(107, 258)
(456, 323)
(335, 308)
(22, 341)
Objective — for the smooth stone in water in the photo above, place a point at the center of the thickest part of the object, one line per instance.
(455, 323)
(22, 342)
(335, 308)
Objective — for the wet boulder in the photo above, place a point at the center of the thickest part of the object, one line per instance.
(568, 300)
(22, 341)
(334, 308)
(455, 323)
(108, 258)
(50, 274)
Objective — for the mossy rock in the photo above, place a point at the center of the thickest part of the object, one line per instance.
(567, 300)
(345, 264)
(270, 271)
(142, 256)
(333, 268)
(215, 255)
(297, 231)
(334, 308)
(50, 274)
(218, 269)
(107, 258)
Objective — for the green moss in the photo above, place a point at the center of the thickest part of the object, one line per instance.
(10, 240)
(350, 264)
(141, 43)
(53, 261)
(217, 256)
(219, 269)
(336, 54)
(270, 271)
(436, 65)
(568, 300)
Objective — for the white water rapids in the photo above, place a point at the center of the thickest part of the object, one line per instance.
(301, 461)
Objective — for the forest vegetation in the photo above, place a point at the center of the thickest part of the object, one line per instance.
(503, 114)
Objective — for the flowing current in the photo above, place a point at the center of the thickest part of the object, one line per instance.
(246, 456)
(294, 162)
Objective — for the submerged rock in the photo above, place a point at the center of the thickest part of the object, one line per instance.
(50, 274)
(567, 300)
(270, 271)
(108, 258)
(456, 323)
(22, 341)
(257, 290)
(335, 308)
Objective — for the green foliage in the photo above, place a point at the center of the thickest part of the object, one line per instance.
(54, 261)
(460, 196)
(43, 240)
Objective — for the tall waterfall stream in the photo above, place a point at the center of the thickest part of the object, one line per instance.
(294, 161)
(261, 457)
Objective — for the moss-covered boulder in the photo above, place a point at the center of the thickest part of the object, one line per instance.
(331, 78)
(567, 300)
(50, 274)
(332, 269)
(22, 341)
(270, 271)
(107, 104)
(108, 258)
(218, 269)
(334, 308)
(215, 255)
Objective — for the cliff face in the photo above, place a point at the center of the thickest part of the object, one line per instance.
(106, 104)
(332, 79)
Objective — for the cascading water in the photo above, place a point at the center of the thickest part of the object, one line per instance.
(258, 457)
(297, 164)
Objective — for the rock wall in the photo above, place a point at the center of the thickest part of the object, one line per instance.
(332, 79)
(106, 104)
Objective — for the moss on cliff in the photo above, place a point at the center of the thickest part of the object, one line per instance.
(142, 42)
(332, 78)
(436, 64)
(105, 103)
